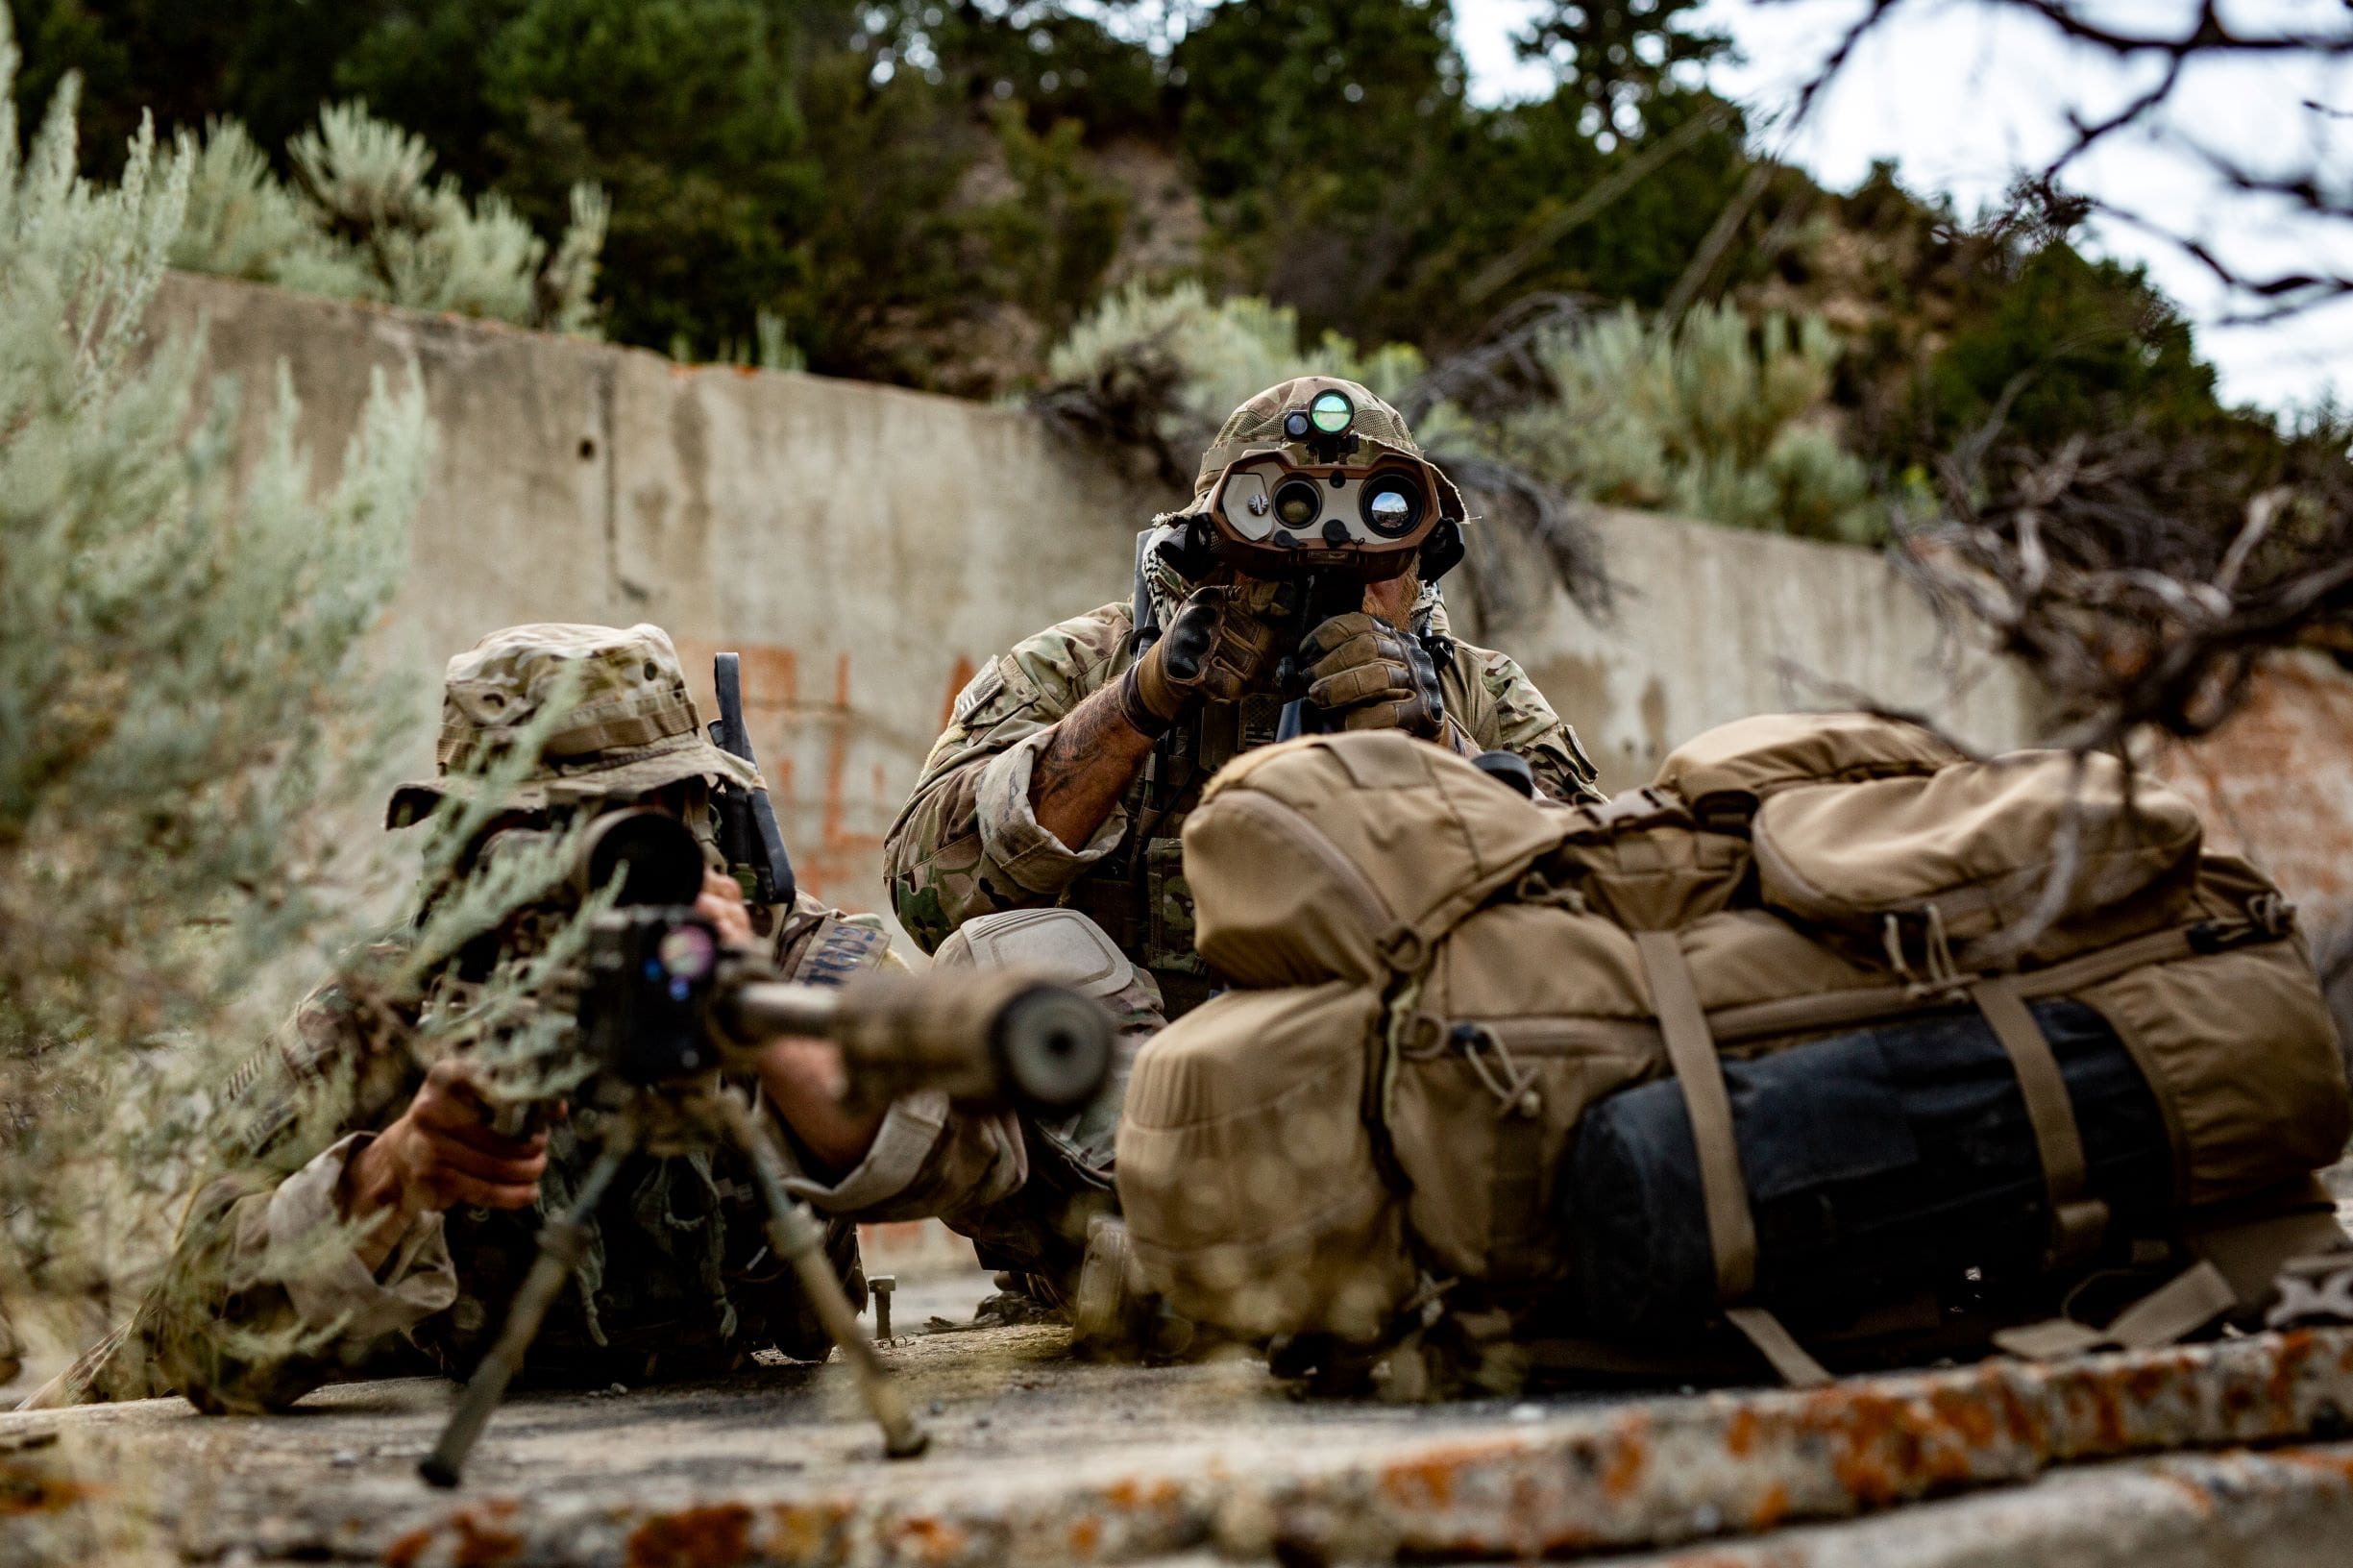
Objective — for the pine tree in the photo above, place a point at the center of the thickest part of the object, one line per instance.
(1619, 55)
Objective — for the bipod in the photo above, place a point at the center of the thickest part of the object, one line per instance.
(794, 1235)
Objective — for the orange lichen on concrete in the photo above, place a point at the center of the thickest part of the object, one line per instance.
(927, 1538)
(804, 1532)
(479, 1535)
(1128, 1493)
(1628, 1455)
(1423, 1481)
(34, 1488)
(717, 1536)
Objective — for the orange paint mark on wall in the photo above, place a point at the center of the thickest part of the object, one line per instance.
(771, 677)
(834, 861)
(958, 679)
(838, 867)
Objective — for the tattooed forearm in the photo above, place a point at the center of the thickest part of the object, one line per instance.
(1093, 758)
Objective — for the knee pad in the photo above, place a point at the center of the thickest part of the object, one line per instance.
(1058, 944)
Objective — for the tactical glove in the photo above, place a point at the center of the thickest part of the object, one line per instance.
(1367, 675)
(1219, 648)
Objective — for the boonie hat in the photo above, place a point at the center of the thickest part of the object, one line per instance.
(629, 726)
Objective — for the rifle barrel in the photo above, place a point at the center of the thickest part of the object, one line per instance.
(1001, 1037)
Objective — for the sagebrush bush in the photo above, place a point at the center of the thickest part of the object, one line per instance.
(1166, 366)
(1709, 416)
(1709, 419)
(183, 702)
(365, 219)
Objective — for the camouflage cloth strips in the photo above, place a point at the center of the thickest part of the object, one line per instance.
(627, 725)
(966, 843)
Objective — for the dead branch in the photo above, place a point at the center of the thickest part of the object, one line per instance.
(2180, 42)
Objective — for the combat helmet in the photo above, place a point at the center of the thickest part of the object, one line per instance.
(1301, 417)
(627, 726)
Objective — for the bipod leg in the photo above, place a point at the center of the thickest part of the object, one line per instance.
(561, 1242)
(795, 1235)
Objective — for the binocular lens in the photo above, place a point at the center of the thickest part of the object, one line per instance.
(1391, 507)
(1298, 504)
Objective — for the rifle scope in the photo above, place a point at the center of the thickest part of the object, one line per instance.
(663, 1002)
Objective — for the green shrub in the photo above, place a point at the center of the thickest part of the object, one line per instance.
(365, 219)
(1707, 418)
(1164, 367)
(183, 698)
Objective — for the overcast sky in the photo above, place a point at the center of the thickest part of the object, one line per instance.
(1962, 97)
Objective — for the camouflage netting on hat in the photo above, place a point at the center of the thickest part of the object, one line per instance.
(1259, 423)
(606, 709)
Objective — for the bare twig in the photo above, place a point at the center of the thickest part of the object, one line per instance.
(1719, 239)
(2180, 42)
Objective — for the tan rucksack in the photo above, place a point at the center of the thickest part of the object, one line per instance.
(1459, 975)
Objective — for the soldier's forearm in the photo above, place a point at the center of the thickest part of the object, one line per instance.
(803, 1079)
(1094, 755)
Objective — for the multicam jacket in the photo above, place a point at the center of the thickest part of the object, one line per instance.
(264, 1300)
(967, 843)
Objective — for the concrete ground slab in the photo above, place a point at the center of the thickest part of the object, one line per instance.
(2287, 1508)
(1041, 1460)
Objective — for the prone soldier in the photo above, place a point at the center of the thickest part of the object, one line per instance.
(382, 1213)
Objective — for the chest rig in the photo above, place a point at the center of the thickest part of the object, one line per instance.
(1138, 893)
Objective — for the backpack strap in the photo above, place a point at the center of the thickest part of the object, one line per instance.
(1630, 812)
(2077, 1219)
(1732, 1230)
(2253, 1239)
(2167, 1315)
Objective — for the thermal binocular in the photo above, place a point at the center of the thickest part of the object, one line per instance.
(1317, 502)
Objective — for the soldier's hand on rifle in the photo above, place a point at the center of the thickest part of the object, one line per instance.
(721, 903)
(439, 1155)
(1222, 644)
(1371, 676)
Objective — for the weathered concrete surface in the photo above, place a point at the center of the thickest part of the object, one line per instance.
(1040, 1461)
(867, 547)
(1717, 623)
(2289, 1507)
(2275, 783)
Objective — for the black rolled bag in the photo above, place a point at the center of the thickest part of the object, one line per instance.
(1879, 1163)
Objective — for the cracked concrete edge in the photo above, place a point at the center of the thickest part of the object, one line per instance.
(1658, 1474)
(1668, 1472)
(2284, 1508)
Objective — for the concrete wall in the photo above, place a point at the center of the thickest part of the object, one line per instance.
(866, 548)
(2275, 783)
